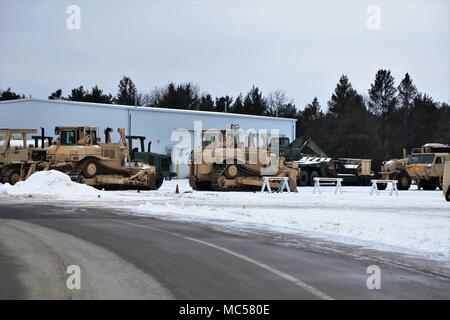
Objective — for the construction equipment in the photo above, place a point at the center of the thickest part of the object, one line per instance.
(224, 163)
(161, 162)
(79, 153)
(446, 181)
(314, 163)
(425, 165)
(18, 157)
(311, 160)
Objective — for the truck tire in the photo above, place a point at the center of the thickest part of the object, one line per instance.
(440, 183)
(313, 175)
(447, 196)
(404, 181)
(11, 176)
(428, 185)
(303, 179)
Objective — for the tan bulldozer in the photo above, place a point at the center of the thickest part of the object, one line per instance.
(224, 163)
(79, 153)
(19, 157)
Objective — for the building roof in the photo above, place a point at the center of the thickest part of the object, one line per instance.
(145, 109)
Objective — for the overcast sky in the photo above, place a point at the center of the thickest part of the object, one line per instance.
(224, 46)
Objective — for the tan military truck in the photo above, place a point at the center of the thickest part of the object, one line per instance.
(79, 153)
(446, 181)
(395, 169)
(425, 165)
(224, 163)
(19, 158)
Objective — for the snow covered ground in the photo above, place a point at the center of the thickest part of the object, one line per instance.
(416, 222)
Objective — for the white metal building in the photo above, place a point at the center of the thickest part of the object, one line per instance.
(157, 124)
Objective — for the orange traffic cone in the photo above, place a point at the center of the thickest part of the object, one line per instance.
(177, 190)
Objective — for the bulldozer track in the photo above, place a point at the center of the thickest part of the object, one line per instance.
(101, 169)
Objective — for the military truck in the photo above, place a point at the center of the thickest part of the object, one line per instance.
(314, 162)
(446, 181)
(224, 163)
(311, 160)
(395, 169)
(425, 165)
(18, 157)
(161, 162)
(79, 153)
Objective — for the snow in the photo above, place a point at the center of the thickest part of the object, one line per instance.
(170, 186)
(416, 222)
(47, 183)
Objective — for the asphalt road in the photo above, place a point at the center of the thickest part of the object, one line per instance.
(127, 257)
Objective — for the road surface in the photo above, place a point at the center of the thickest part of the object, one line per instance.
(128, 257)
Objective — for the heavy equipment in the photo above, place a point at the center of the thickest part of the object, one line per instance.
(314, 162)
(224, 163)
(446, 181)
(395, 169)
(18, 157)
(425, 165)
(161, 162)
(311, 160)
(79, 153)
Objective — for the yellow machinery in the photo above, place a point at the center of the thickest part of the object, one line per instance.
(223, 163)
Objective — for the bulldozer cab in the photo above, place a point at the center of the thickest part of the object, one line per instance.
(83, 136)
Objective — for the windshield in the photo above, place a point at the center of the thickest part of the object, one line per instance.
(421, 159)
(68, 137)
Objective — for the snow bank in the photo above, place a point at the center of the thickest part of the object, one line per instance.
(50, 183)
(170, 186)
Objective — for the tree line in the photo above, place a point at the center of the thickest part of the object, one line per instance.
(376, 125)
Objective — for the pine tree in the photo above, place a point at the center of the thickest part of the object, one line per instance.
(56, 95)
(238, 105)
(10, 95)
(407, 92)
(127, 93)
(383, 100)
(77, 94)
(222, 102)
(254, 103)
(342, 99)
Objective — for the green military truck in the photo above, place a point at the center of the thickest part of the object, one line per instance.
(313, 162)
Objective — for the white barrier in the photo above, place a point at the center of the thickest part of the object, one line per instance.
(338, 181)
(283, 180)
(375, 182)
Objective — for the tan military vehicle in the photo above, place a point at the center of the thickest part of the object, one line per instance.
(425, 165)
(395, 169)
(79, 153)
(224, 163)
(19, 158)
(446, 181)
